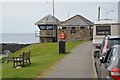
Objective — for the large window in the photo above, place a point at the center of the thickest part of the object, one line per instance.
(63, 27)
(46, 27)
(49, 27)
(103, 30)
(42, 27)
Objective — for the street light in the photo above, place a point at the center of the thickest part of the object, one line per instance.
(53, 23)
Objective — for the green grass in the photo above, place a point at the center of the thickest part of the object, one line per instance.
(43, 56)
(0, 68)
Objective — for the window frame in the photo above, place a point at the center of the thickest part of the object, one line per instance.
(82, 27)
(40, 27)
(45, 27)
(49, 28)
(73, 30)
(63, 27)
(103, 31)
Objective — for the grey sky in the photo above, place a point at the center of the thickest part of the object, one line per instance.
(60, 0)
(20, 17)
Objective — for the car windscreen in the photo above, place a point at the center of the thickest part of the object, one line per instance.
(113, 41)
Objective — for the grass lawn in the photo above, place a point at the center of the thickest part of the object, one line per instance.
(43, 56)
(0, 68)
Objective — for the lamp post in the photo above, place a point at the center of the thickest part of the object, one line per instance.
(53, 23)
(53, 8)
(54, 29)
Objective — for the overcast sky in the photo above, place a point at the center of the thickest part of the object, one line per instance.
(20, 17)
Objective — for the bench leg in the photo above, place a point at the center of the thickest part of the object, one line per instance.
(26, 61)
(20, 63)
(13, 64)
(23, 63)
(29, 61)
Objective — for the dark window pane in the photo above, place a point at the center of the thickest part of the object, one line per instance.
(82, 27)
(49, 27)
(42, 27)
(73, 30)
(113, 42)
(103, 30)
(72, 27)
(63, 27)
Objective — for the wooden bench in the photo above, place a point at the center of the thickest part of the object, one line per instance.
(22, 59)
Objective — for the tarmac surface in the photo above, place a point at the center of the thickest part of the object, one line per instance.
(78, 64)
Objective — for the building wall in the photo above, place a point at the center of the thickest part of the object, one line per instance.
(48, 35)
(46, 39)
(80, 33)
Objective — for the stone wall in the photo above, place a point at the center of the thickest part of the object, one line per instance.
(48, 36)
(78, 34)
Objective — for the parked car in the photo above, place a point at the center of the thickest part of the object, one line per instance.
(107, 43)
(102, 28)
(115, 72)
(110, 67)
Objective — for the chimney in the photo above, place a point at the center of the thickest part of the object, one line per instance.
(98, 13)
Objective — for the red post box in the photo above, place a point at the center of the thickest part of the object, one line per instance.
(62, 36)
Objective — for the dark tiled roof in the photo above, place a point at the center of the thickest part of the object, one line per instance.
(77, 20)
(48, 20)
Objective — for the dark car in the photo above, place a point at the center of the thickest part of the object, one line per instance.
(110, 67)
(107, 43)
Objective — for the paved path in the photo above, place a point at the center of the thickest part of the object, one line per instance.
(78, 64)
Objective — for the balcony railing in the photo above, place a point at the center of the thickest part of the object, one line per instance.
(47, 33)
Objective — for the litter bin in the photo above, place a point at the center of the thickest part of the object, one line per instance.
(62, 47)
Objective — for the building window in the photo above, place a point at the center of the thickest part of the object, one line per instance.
(63, 27)
(103, 30)
(82, 28)
(49, 27)
(42, 27)
(45, 27)
(73, 30)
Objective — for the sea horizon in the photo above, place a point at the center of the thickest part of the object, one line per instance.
(19, 38)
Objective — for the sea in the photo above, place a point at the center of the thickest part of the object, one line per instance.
(19, 38)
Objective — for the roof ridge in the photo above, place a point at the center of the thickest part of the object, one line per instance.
(48, 20)
(80, 17)
(69, 18)
(84, 19)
